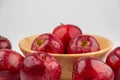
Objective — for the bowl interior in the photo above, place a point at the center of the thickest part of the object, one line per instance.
(105, 45)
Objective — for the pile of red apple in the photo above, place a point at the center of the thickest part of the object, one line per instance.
(65, 39)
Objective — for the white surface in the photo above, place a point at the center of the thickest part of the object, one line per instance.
(21, 18)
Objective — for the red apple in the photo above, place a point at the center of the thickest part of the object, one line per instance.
(40, 66)
(48, 43)
(66, 32)
(90, 68)
(10, 64)
(4, 43)
(113, 60)
(83, 44)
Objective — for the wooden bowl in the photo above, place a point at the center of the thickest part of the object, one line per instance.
(67, 60)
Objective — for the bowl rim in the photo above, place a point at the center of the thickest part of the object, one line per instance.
(68, 55)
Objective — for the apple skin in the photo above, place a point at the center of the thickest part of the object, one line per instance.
(5, 43)
(90, 68)
(40, 66)
(49, 43)
(113, 60)
(83, 44)
(10, 64)
(66, 32)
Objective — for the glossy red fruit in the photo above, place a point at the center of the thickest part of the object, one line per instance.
(83, 44)
(40, 66)
(48, 43)
(10, 64)
(66, 32)
(113, 60)
(5, 43)
(90, 68)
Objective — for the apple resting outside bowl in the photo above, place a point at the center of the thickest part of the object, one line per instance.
(67, 60)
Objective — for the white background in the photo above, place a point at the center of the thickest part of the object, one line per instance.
(21, 18)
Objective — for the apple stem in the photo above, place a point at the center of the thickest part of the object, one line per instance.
(61, 24)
